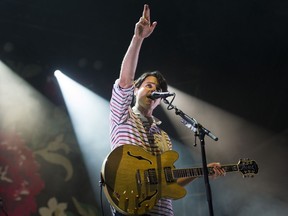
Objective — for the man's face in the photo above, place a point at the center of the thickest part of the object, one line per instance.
(149, 85)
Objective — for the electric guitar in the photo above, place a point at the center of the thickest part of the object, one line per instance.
(134, 180)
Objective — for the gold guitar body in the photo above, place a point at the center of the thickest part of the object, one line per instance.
(134, 180)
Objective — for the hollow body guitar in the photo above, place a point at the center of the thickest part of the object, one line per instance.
(134, 180)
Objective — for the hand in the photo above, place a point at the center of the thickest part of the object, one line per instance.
(218, 171)
(144, 28)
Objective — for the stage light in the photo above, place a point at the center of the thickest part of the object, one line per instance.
(58, 73)
(89, 114)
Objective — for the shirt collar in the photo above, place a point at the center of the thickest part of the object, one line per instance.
(155, 120)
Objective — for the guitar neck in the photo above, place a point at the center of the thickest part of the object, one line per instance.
(198, 171)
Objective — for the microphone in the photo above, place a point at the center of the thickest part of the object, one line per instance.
(156, 95)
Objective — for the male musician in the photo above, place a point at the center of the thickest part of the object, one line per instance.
(136, 125)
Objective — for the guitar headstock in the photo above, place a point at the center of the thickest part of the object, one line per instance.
(248, 167)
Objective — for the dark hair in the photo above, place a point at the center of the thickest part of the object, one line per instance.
(159, 77)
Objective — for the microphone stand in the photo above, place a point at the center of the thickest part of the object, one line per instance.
(199, 131)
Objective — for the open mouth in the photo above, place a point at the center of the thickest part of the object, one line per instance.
(149, 97)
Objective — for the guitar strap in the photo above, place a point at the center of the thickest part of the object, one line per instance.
(156, 136)
(163, 142)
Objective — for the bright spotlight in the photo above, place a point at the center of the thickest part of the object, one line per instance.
(89, 114)
(58, 73)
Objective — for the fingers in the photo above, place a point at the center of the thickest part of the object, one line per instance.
(144, 28)
(146, 13)
(218, 170)
(153, 25)
(144, 21)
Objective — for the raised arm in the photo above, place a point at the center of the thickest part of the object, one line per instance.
(143, 29)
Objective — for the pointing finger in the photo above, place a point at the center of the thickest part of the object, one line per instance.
(146, 13)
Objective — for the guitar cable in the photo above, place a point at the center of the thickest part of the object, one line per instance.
(2, 206)
(101, 183)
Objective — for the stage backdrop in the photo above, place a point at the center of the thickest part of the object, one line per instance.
(42, 170)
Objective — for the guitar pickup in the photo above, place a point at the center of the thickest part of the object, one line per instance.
(151, 176)
(168, 175)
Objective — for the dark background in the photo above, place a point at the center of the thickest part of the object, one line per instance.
(232, 54)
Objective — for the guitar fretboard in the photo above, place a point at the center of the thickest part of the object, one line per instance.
(198, 171)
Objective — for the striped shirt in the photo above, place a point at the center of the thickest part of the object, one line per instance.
(129, 126)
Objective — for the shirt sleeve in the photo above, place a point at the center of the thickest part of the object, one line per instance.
(120, 101)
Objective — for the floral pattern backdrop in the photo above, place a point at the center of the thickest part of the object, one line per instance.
(41, 166)
(39, 180)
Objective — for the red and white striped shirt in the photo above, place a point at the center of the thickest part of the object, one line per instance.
(127, 127)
